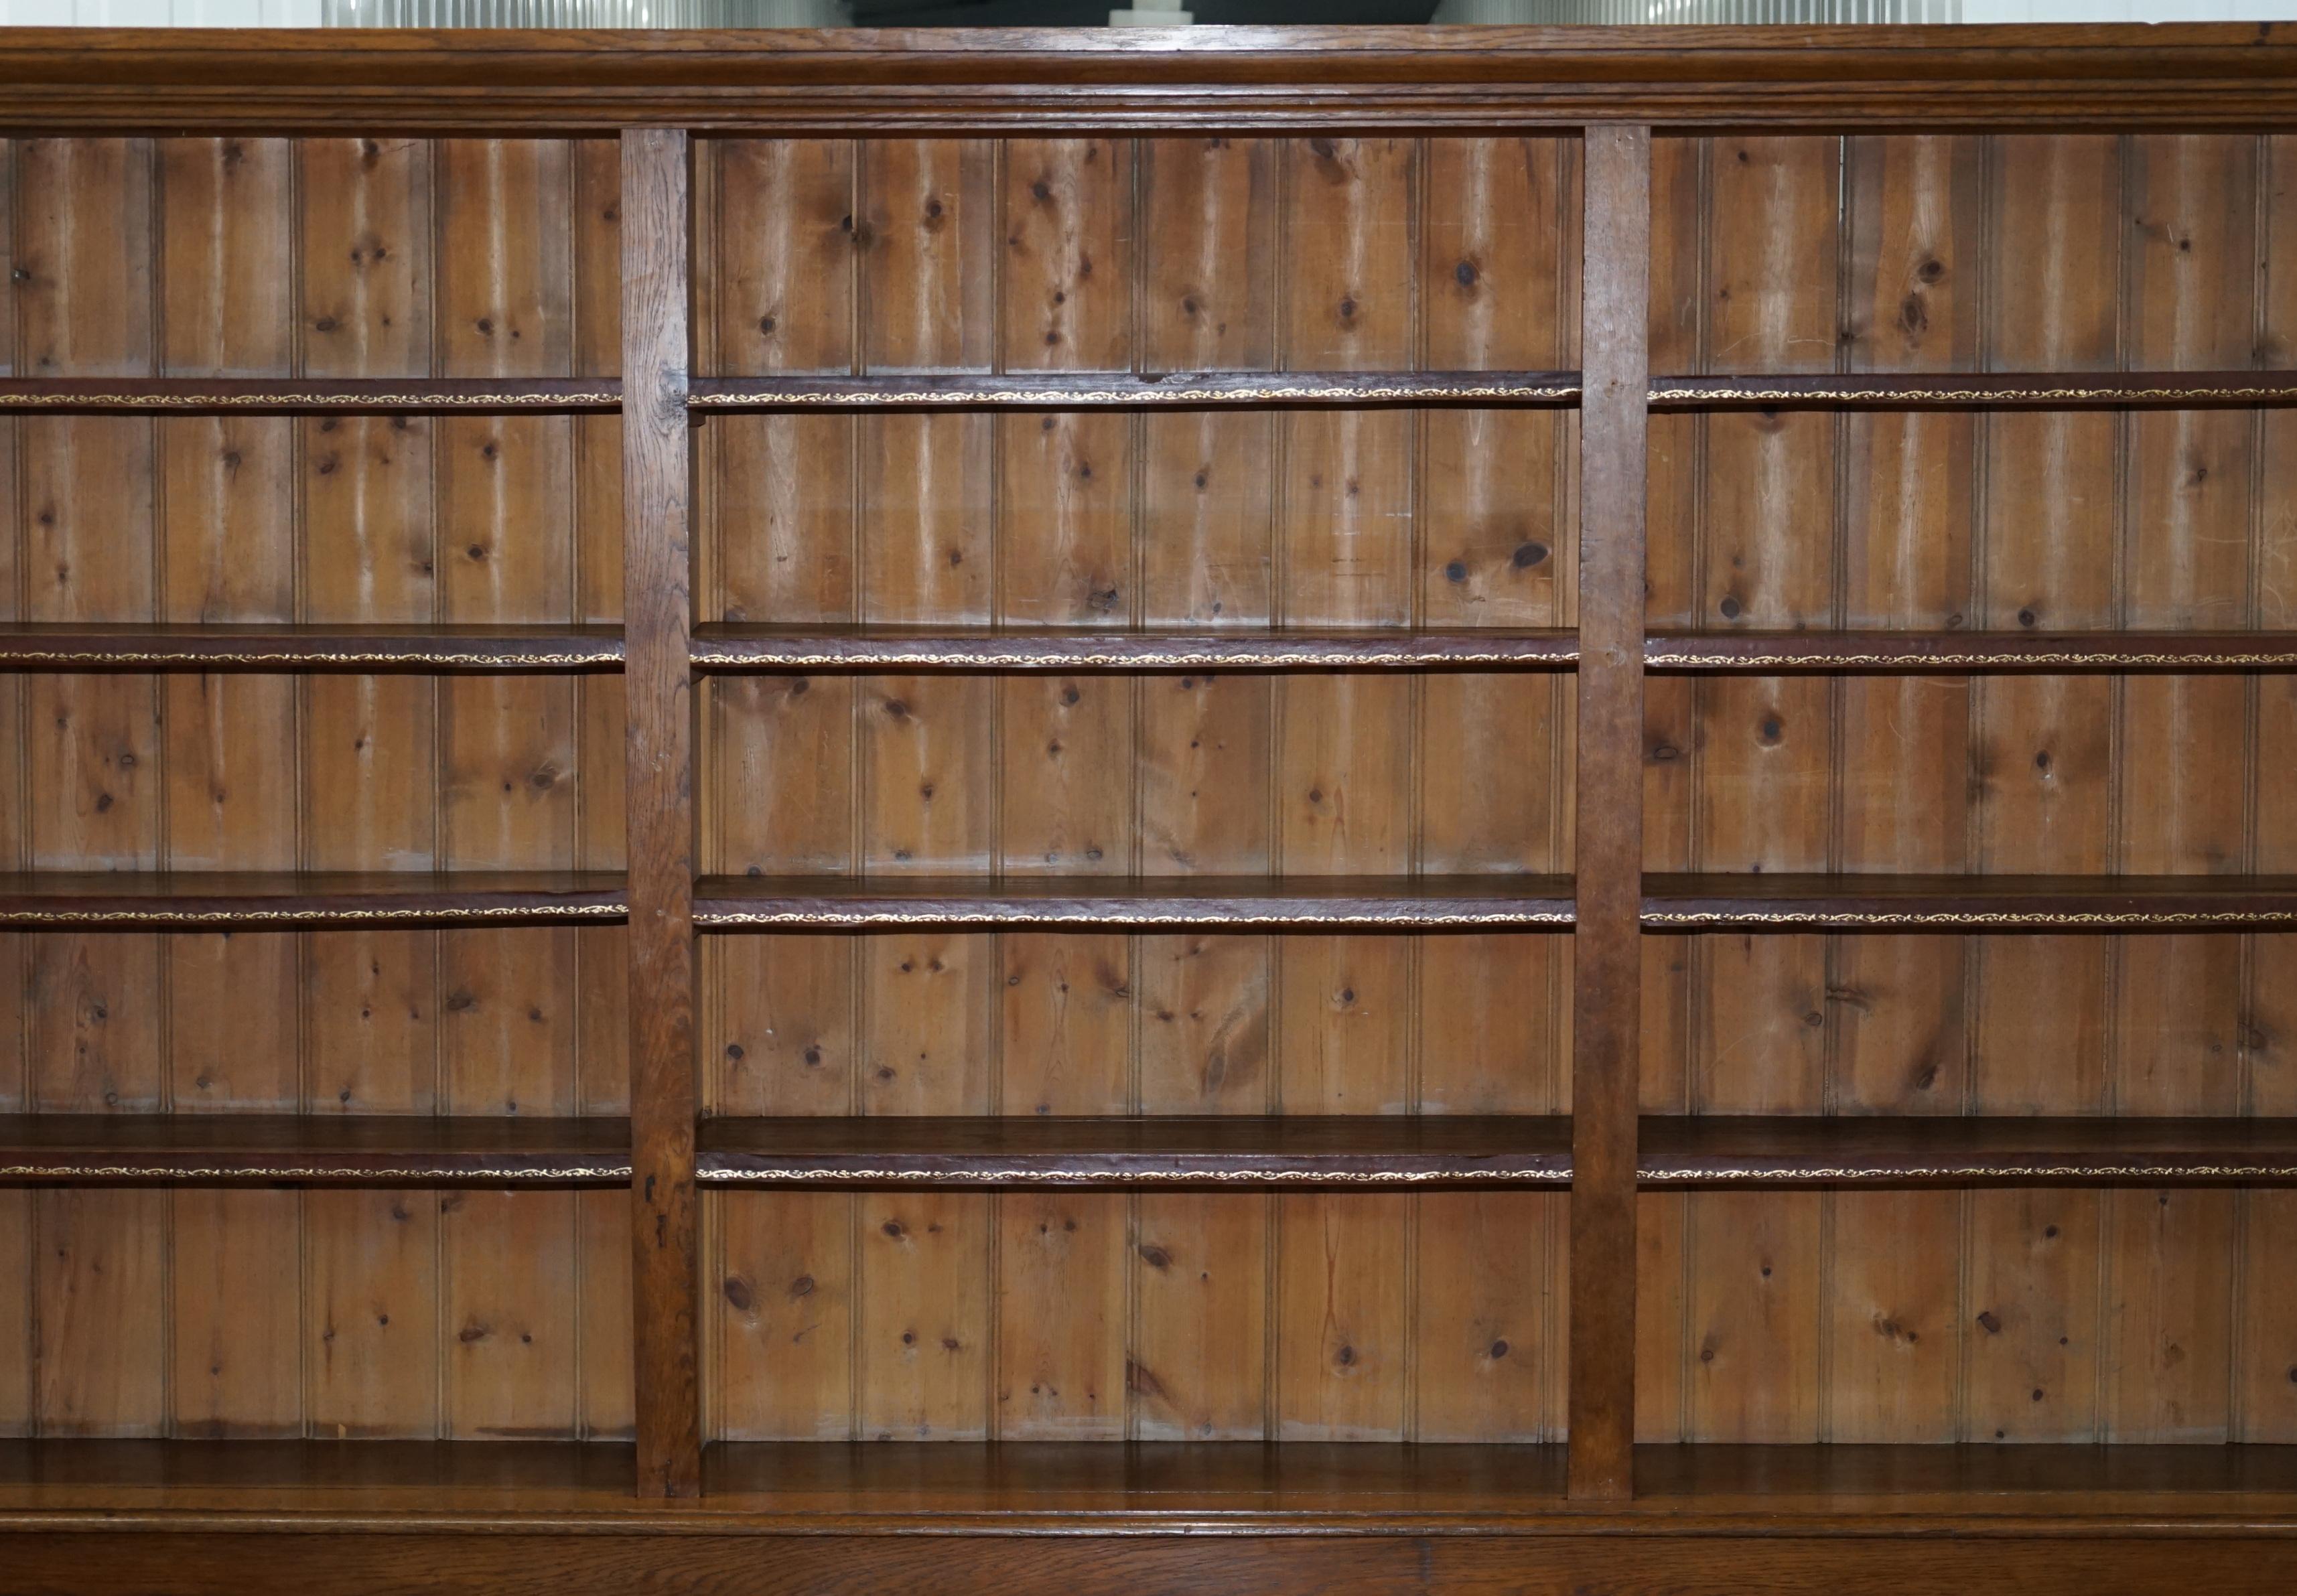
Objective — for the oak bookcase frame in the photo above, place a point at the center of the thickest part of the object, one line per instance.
(1776, 1520)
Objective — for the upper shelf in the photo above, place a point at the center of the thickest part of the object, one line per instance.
(219, 396)
(734, 648)
(1955, 652)
(1125, 391)
(1362, 1150)
(1309, 902)
(212, 1149)
(1375, 1152)
(1968, 391)
(1772, 902)
(729, 648)
(1898, 1150)
(240, 646)
(254, 900)
(725, 647)
(1486, 1152)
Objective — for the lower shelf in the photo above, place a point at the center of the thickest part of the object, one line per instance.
(780, 1485)
(226, 1518)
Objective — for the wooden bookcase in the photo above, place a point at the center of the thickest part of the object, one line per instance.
(1333, 810)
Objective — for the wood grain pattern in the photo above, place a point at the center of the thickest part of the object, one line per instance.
(1966, 524)
(2016, 762)
(1606, 960)
(664, 1087)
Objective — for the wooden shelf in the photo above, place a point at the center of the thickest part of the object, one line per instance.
(1125, 391)
(199, 1518)
(311, 649)
(338, 395)
(1421, 1152)
(1241, 1153)
(1356, 1152)
(231, 1149)
(821, 1486)
(818, 1486)
(1730, 1151)
(1968, 902)
(1954, 653)
(1309, 902)
(1964, 391)
(730, 648)
(254, 900)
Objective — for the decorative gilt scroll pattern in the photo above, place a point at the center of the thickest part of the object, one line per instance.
(504, 914)
(444, 1172)
(13, 398)
(1025, 914)
(1973, 920)
(874, 399)
(1542, 1174)
(303, 659)
(1974, 660)
(1732, 394)
(1824, 1175)
(860, 658)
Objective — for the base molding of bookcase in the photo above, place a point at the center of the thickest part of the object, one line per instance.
(2099, 1558)
(188, 1518)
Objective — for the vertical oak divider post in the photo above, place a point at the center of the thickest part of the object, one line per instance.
(657, 679)
(1605, 938)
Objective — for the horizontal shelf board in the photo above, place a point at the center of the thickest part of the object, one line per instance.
(1124, 391)
(237, 645)
(1949, 1479)
(1968, 902)
(1729, 1151)
(1329, 1480)
(321, 1478)
(1406, 1152)
(255, 901)
(1992, 390)
(1948, 653)
(817, 1487)
(1400, 1152)
(1329, 903)
(212, 1149)
(730, 648)
(214, 396)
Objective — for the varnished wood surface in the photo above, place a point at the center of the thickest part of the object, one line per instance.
(1991, 391)
(752, 1488)
(739, 647)
(1380, 1564)
(1400, 1153)
(657, 566)
(270, 899)
(240, 647)
(1333, 902)
(323, 396)
(208, 1149)
(1606, 945)
(1878, 902)
(730, 648)
(1467, 1152)
(1969, 654)
(932, 80)
(1377, 1564)
(1875, 781)
(1116, 390)
(1729, 1151)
